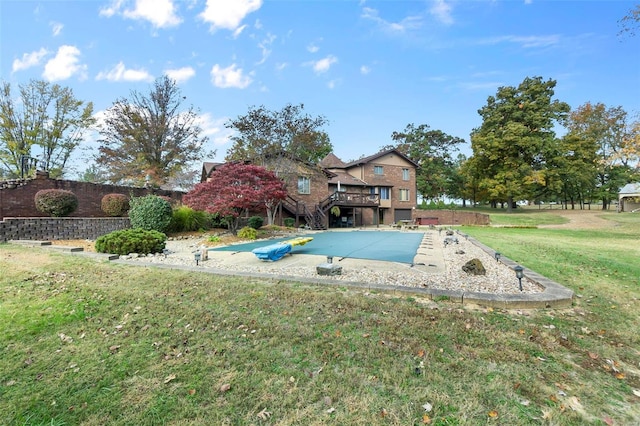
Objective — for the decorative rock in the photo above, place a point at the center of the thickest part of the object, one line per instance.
(459, 251)
(329, 269)
(474, 267)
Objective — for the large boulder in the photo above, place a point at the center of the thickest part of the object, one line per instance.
(474, 267)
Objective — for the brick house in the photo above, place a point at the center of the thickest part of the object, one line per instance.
(379, 189)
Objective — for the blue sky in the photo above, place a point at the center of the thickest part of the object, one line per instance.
(369, 67)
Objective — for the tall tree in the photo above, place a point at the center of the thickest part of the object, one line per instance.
(263, 133)
(46, 122)
(630, 22)
(150, 136)
(236, 187)
(516, 139)
(612, 136)
(433, 151)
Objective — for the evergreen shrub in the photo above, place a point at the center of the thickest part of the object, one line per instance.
(248, 233)
(115, 205)
(150, 212)
(131, 241)
(255, 222)
(56, 202)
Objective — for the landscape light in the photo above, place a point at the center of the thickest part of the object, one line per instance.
(497, 256)
(329, 259)
(196, 256)
(519, 274)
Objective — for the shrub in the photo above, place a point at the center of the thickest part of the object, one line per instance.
(248, 232)
(131, 241)
(255, 222)
(115, 204)
(217, 221)
(186, 219)
(150, 212)
(56, 202)
(289, 222)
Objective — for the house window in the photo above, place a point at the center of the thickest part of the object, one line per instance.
(405, 174)
(385, 194)
(378, 170)
(304, 185)
(404, 195)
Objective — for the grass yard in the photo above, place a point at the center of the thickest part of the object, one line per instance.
(87, 343)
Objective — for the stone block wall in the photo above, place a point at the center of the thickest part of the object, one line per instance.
(61, 228)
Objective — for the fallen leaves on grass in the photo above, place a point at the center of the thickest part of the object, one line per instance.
(169, 378)
(492, 414)
(225, 387)
(264, 414)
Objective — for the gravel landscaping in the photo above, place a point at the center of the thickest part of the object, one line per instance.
(447, 274)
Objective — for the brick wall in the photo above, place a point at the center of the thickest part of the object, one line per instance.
(61, 228)
(17, 199)
(449, 217)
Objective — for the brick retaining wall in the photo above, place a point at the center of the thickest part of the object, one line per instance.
(61, 228)
(449, 217)
(17, 196)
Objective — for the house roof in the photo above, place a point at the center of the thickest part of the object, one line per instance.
(345, 178)
(332, 162)
(630, 188)
(374, 157)
(207, 168)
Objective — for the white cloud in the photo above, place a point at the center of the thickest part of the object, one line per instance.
(321, 66)
(526, 42)
(29, 60)
(281, 66)
(120, 73)
(312, 48)
(332, 84)
(442, 11)
(161, 13)
(365, 70)
(112, 9)
(228, 14)
(56, 28)
(238, 31)
(408, 23)
(181, 74)
(214, 128)
(64, 65)
(265, 47)
(229, 77)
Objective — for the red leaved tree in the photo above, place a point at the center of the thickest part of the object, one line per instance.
(235, 187)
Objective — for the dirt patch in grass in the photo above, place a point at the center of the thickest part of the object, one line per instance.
(581, 219)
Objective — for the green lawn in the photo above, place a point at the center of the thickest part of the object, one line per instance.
(95, 343)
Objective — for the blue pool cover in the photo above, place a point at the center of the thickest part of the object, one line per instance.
(389, 246)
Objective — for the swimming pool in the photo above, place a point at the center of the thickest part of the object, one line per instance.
(388, 246)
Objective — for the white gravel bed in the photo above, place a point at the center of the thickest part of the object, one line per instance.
(499, 279)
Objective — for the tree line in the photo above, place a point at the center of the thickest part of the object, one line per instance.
(153, 139)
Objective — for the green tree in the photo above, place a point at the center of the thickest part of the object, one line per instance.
(433, 151)
(46, 122)
(608, 131)
(574, 169)
(630, 22)
(262, 133)
(516, 140)
(150, 138)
